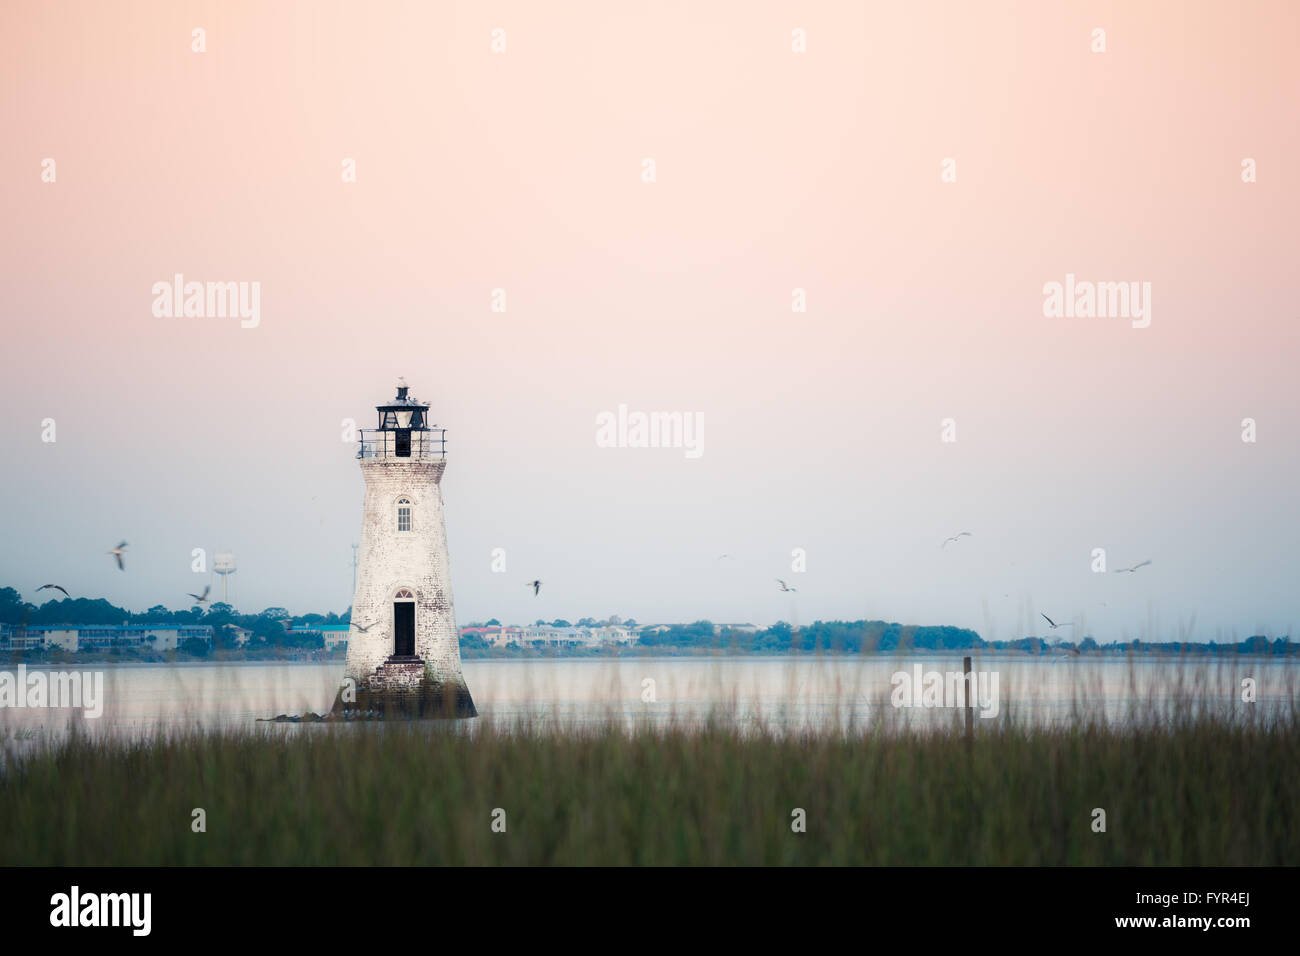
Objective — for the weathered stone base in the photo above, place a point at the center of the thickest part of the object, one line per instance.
(402, 687)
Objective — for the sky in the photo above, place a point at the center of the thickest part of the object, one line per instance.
(525, 170)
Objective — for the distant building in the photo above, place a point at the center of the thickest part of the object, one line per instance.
(331, 635)
(21, 638)
(239, 635)
(572, 636)
(65, 638)
(615, 634)
(503, 635)
(495, 635)
(334, 635)
(83, 637)
(742, 628)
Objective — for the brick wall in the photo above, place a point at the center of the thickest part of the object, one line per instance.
(417, 560)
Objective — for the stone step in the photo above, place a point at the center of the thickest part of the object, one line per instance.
(398, 673)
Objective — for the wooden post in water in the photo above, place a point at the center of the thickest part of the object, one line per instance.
(970, 693)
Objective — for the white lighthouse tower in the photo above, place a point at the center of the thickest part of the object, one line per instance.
(403, 646)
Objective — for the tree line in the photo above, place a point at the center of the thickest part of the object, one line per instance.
(269, 629)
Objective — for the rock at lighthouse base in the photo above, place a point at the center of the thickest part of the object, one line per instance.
(403, 687)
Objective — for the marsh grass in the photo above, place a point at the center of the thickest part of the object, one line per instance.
(1186, 773)
(1202, 792)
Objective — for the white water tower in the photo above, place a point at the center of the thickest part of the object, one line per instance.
(224, 564)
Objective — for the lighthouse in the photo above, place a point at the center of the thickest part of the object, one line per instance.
(403, 645)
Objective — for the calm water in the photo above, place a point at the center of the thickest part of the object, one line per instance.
(781, 692)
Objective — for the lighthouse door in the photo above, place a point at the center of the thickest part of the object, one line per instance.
(404, 628)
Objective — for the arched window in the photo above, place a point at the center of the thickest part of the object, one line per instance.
(403, 514)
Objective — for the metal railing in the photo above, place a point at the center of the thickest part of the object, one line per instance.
(403, 443)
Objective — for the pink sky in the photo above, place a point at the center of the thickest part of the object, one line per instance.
(775, 170)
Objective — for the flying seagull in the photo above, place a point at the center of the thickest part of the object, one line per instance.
(363, 627)
(117, 553)
(962, 534)
(784, 586)
(202, 599)
(1054, 624)
(1132, 569)
(55, 586)
(535, 585)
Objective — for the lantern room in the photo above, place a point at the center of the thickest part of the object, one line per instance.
(404, 412)
(404, 430)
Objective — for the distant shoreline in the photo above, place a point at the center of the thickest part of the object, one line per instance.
(1147, 652)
